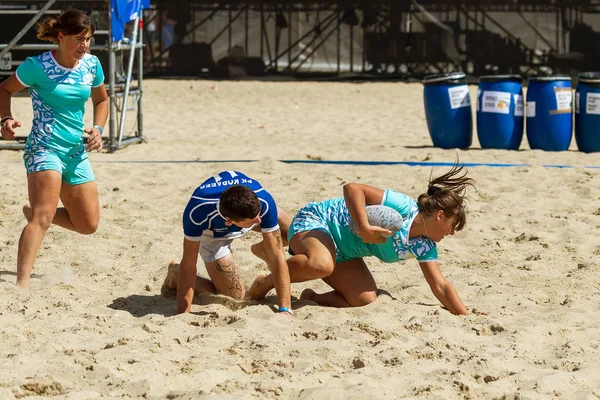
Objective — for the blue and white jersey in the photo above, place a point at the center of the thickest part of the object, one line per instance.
(202, 216)
(58, 96)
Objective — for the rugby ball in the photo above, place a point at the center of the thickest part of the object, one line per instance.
(383, 217)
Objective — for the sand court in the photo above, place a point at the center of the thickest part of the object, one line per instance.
(95, 325)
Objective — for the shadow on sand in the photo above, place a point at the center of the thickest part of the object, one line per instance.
(140, 305)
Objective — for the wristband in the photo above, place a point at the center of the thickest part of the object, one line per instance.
(285, 309)
(4, 119)
(99, 128)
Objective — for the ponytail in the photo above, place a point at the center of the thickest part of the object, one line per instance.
(46, 30)
(70, 22)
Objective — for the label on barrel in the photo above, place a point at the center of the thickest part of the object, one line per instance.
(459, 96)
(531, 108)
(592, 103)
(577, 103)
(564, 99)
(495, 102)
(518, 105)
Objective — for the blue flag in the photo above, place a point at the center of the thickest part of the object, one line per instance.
(123, 11)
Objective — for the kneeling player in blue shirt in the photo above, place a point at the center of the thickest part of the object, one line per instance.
(223, 208)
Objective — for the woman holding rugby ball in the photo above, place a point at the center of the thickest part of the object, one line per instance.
(325, 246)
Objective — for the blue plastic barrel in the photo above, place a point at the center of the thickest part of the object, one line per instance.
(549, 113)
(448, 110)
(587, 112)
(500, 112)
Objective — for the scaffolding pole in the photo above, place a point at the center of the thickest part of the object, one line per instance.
(112, 62)
(128, 82)
(26, 28)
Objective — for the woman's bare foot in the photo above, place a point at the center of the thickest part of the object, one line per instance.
(23, 285)
(169, 286)
(261, 286)
(27, 212)
(307, 294)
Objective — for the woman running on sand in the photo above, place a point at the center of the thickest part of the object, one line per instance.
(60, 82)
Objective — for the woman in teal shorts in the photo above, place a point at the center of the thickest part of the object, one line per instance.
(325, 247)
(60, 82)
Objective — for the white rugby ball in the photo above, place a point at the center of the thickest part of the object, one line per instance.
(383, 217)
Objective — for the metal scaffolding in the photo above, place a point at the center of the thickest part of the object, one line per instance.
(277, 49)
(123, 95)
(384, 38)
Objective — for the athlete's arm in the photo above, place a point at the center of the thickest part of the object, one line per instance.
(357, 196)
(100, 101)
(278, 265)
(187, 276)
(8, 87)
(442, 289)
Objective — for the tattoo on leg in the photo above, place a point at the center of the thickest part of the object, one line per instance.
(277, 235)
(227, 267)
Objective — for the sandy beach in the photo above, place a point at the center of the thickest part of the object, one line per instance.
(94, 324)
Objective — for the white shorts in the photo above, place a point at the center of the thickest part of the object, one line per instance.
(213, 249)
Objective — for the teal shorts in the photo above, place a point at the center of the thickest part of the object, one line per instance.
(311, 218)
(74, 167)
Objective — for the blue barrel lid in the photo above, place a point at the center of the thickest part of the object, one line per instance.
(589, 77)
(452, 77)
(497, 78)
(550, 78)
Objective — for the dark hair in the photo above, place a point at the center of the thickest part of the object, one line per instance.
(238, 203)
(70, 22)
(447, 193)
